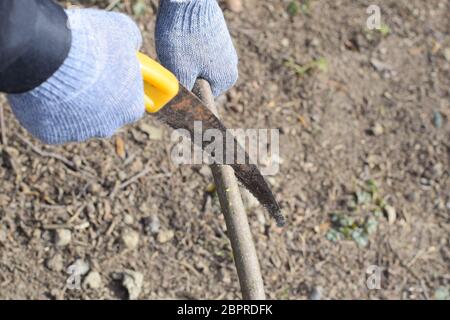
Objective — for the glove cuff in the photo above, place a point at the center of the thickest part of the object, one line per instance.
(188, 15)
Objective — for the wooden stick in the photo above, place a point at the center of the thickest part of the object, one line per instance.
(2, 126)
(238, 229)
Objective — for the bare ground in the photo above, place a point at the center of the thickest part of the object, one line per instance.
(378, 113)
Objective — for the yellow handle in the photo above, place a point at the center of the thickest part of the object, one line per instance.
(160, 85)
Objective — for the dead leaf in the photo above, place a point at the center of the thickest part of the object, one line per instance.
(322, 228)
(303, 121)
(120, 148)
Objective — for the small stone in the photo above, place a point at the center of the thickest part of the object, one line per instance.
(137, 166)
(261, 217)
(316, 294)
(377, 130)
(3, 235)
(437, 170)
(315, 42)
(224, 276)
(380, 65)
(55, 263)
(152, 225)
(205, 171)
(437, 119)
(128, 219)
(211, 188)
(132, 281)
(234, 5)
(79, 267)
(273, 182)
(63, 237)
(442, 293)
(237, 107)
(37, 233)
(165, 236)
(95, 188)
(447, 54)
(411, 197)
(390, 213)
(4, 199)
(78, 162)
(92, 281)
(249, 199)
(130, 238)
(285, 42)
(155, 133)
(122, 175)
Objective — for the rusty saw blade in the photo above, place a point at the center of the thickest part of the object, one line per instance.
(184, 110)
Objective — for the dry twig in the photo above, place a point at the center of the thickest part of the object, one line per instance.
(238, 229)
(2, 126)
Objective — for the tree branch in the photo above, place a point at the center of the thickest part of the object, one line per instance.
(238, 229)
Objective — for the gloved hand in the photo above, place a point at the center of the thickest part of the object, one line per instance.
(99, 87)
(193, 41)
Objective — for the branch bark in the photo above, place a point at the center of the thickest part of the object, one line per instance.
(238, 229)
(3, 126)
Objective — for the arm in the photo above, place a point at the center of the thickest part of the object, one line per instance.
(69, 85)
(34, 42)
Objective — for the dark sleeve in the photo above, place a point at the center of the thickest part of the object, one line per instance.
(34, 42)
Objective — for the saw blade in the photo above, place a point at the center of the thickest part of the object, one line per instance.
(186, 109)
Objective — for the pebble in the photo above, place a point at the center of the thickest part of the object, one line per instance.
(132, 281)
(390, 213)
(237, 107)
(130, 238)
(447, 54)
(155, 133)
(3, 235)
(377, 130)
(95, 188)
(137, 166)
(316, 294)
(411, 196)
(285, 42)
(437, 170)
(380, 65)
(205, 171)
(273, 182)
(128, 219)
(93, 280)
(152, 225)
(55, 263)
(77, 161)
(249, 199)
(224, 276)
(315, 42)
(122, 175)
(211, 188)
(80, 267)
(63, 237)
(234, 5)
(437, 119)
(165, 236)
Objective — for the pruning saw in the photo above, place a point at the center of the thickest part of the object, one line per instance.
(177, 107)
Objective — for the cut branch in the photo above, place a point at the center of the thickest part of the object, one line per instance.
(238, 229)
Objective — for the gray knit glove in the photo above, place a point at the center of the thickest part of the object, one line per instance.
(193, 41)
(97, 90)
